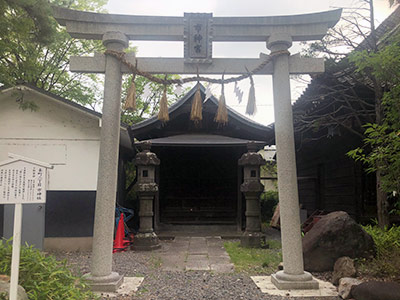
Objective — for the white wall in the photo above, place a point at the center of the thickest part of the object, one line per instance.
(57, 134)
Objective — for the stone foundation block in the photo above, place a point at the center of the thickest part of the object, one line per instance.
(108, 283)
(252, 240)
(146, 242)
(285, 281)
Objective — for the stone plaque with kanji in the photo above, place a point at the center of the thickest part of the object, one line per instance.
(198, 38)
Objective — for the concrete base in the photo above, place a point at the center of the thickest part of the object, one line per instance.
(326, 289)
(252, 239)
(128, 288)
(108, 283)
(68, 243)
(146, 242)
(285, 281)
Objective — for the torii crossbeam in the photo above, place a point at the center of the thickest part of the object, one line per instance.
(198, 31)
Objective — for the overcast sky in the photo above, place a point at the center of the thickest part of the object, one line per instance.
(233, 8)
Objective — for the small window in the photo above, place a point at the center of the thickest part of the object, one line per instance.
(253, 173)
(145, 173)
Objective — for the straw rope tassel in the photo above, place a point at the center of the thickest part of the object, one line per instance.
(163, 115)
(130, 101)
(222, 112)
(251, 107)
(196, 114)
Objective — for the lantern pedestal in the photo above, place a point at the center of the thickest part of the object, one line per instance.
(146, 161)
(252, 189)
(146, 242)
(252, 239)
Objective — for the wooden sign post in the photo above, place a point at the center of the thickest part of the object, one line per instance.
(22, 180)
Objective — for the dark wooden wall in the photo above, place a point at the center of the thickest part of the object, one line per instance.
(329, 180)
(198, 185)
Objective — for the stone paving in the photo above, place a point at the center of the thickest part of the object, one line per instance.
(196, 254)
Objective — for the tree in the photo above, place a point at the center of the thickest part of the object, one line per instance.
(381, 151)
(148, 96)
(31, 55)
(29, 19)
(36, 50)
(349, 109)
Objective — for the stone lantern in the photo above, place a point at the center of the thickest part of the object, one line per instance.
(146, 189)
(252, 189)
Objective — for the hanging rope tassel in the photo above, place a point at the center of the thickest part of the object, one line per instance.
(196, 114)
(251, 107)
(222, 112)
(130, 101)
(163, 115)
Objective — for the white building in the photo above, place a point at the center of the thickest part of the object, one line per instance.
(67, 136)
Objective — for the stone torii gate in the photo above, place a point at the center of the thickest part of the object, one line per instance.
(278, 32)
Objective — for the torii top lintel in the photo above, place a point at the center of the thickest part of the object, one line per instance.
(198, 31)
(303, 27)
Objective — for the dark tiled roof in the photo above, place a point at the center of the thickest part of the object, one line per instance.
(344, 73)
(174, 107)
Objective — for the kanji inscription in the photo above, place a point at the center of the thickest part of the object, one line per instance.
(198, 38)
(22, 182)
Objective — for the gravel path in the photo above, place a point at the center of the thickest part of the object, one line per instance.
(164, 285)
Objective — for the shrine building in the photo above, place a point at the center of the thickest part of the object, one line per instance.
(199, 177)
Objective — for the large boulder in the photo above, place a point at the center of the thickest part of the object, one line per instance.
(334, 236)
(376, 290)
(345, 286)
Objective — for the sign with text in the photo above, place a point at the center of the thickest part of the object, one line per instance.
(198, 33)
(22, 182)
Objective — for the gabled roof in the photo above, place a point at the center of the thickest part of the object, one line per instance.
(125, 140)
(146, 129)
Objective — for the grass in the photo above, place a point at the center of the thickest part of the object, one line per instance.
(386, 264)
(155, 261)
(255, 260)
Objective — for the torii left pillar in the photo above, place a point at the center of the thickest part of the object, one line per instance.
(101, 277)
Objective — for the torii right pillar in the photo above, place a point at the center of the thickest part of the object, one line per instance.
(293, 275)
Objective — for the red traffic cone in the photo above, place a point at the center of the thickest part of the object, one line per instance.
(119, 244)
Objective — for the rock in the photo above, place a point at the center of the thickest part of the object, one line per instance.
(345, 285)
(280, 266)
(5, 288)
(334, 236)
(376, 290)
(344, 267)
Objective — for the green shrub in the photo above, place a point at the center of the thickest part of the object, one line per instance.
(43, 277)
(269, 200)
(386, 240)
(387, 261)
